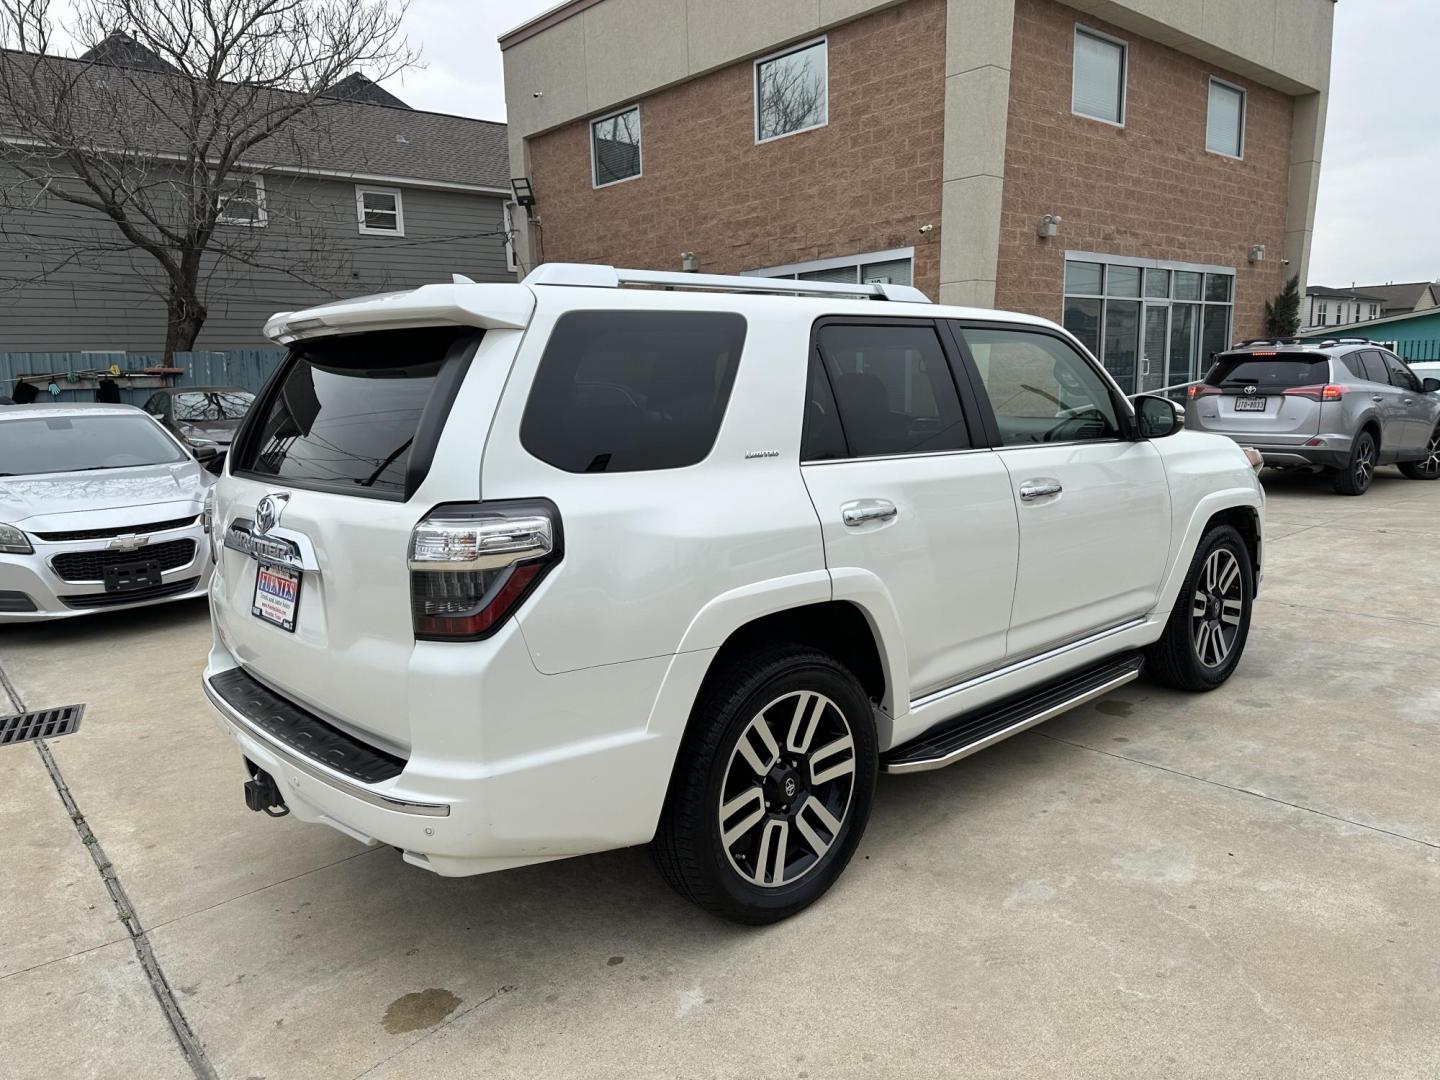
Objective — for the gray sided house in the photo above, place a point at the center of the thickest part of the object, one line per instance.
(374, 196)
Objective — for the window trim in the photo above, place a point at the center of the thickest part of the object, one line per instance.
(1100, 35)
(1215, 80)
(981, 436)
(262, 213)
(799, 46)
(361, 190)
(1124, 407)
(857, 261)
(595, 184)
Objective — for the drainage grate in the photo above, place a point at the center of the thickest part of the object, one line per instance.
(40, 724)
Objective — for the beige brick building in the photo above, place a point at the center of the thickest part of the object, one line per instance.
(1177, 142)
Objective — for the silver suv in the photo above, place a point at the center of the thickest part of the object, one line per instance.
(1343, 406)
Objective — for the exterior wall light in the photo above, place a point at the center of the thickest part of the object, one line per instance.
(1257, 253)
(524, 193)
(688, 262)
(1049, 226)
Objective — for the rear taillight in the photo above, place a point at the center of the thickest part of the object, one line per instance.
(1203, 391)
(473, 564)
(1315, 393)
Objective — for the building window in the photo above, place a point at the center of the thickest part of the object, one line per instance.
(380, 211)
(1322, 314)
(1154, 325)
(895, 267)
(242, 202)
(1225, 130)
(615, 147)
(792, 91)
(1098, 90)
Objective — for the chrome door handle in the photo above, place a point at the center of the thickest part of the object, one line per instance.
(1409, 401)
(1377, 397)
(1039, 489)
(864, 511)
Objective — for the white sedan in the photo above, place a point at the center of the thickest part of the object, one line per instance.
(100, 508)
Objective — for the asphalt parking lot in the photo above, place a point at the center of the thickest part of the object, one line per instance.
(1245, 884)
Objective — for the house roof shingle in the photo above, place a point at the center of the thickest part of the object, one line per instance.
(1400, 298)
(348, 137)
(1343, 294)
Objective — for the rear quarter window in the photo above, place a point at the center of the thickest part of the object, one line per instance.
(1269, 372)
(631, 391)
(357, 413)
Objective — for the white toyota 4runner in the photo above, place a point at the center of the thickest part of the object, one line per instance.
(509, 573)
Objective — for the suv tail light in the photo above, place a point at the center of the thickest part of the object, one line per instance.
(473, 564)
(1315, 393)
(1203, 391)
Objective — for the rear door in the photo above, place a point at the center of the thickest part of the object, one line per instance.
(1389, 402)
(1419, 407)
(1092, 503)
(1263, 393)
(906, 488)
(332, 462)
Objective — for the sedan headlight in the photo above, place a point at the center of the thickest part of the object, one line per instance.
(13, 541)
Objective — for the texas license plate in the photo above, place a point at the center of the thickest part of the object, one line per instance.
(277, 595)
(1250, 404)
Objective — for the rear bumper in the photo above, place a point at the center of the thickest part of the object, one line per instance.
(490, 784)
(1326, 451)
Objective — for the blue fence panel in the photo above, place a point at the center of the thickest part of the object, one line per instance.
(248, 368)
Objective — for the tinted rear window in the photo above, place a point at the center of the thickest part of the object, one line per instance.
(346, 412)
(1269, 372)
(624, 391)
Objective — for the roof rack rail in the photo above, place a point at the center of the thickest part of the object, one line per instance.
(1270, 341)
(595, 276)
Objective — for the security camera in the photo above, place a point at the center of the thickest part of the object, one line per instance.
(538, 94)
(1284, 262)
(927, 228)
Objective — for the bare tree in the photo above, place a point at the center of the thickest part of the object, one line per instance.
(162, 126)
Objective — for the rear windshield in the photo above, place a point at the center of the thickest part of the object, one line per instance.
(62, 444)
(624, 391)
(346, 412)
(1269, 372)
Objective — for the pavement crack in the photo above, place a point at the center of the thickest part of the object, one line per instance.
(190, 1044)
(1241, 791)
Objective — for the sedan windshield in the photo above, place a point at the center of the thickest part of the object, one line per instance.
(202, 405)
(56, 444)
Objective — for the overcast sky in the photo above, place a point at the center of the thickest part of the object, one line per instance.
(1379, 215)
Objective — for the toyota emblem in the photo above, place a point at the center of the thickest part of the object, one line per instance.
(267, 511)
(1250, 389)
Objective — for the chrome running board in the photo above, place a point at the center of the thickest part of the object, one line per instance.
(972, 732)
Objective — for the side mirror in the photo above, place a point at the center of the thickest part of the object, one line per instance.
(205, 451)
(216, 464)
(1430, 385)
(1158, 417)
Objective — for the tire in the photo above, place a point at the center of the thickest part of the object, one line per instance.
(716, 786)
(1355, 478)
(1188, 657)
(1428, 467)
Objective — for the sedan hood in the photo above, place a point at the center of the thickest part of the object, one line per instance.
(60, 502)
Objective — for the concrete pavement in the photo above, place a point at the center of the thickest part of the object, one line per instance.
(1243, 884)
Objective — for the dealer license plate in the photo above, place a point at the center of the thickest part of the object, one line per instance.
(277, 595)
(1250, 404)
